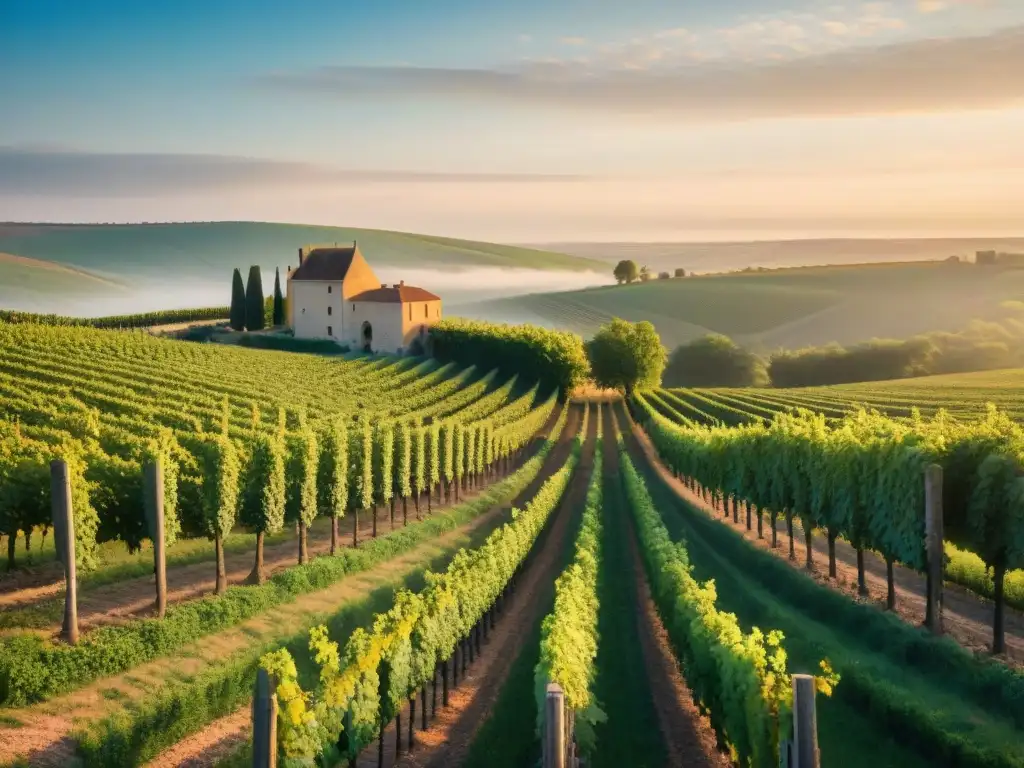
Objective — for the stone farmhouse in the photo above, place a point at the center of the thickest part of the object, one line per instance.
(334, 294)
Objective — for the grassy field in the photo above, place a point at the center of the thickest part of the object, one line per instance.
(153, 260)
(965, 395)
(786, 307)
(723, 256)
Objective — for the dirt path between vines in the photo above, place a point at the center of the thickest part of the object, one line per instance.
(132, 598)
(44, 734)
(225, 736)
(450, 733)
(967, 618)
(688, 736)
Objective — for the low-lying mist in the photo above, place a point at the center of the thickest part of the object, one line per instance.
(454, 286)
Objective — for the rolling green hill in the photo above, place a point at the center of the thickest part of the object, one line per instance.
(163, 266)
(201, 248)
(38, 277)
(786, 307)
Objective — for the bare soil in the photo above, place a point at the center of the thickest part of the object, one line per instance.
(221, 739)
(967, 617)
(451, 731)
(687, 734)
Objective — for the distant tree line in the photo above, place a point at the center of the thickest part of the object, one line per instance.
(717, 361)
(627, 271)
(138, 320)
(243, 313)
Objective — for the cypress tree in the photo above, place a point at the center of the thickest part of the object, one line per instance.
(278, 299)
(237, 321)
(254, 318)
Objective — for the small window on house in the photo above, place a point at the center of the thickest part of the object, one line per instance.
(353, 307)
(329, 288)
(330, 331)
(426, 311)
(330, 310)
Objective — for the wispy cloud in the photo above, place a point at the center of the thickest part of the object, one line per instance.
(919, 76)
(65, 172)
(574, 41)
(934, 6)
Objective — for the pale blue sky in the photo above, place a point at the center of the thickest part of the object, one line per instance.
(674, 119)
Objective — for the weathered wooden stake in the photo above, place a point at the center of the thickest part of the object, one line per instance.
(154, 484)
(805, 724)
(264, 722)
(554, 727)
(64, 537)
(933, 538)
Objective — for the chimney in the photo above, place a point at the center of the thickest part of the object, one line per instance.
(401, 283)
(300, 257)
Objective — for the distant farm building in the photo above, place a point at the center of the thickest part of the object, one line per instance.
(334, 294)
(999, 258)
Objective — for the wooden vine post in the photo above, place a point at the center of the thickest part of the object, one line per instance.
(554, 727)
(933, 542)
(264, 722)
(154, 492)
(64, 537)
(805, 753)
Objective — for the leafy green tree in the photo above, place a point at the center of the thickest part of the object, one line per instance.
(680, 272)
(626, 271)
(220, 469)
(332, 476)
(278, 318)
(627, 356)
(714, 361)
(254, 317)
(645, 273)
(237, 316)
(301, 473)
(263, 495)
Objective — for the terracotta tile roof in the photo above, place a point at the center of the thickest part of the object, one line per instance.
(326, 264)
(396, 294)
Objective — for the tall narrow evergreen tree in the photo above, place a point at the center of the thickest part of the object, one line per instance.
(254, 317)
(278, 299)
(237, 320)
